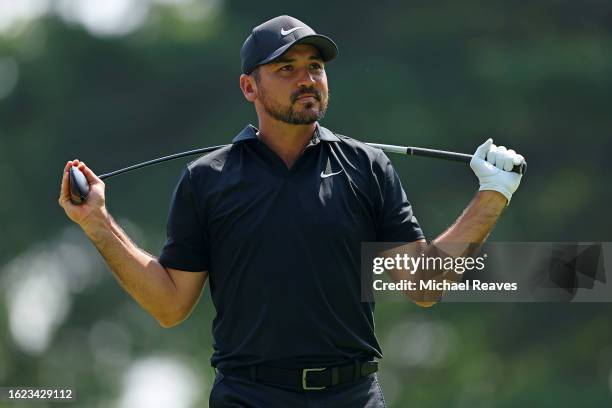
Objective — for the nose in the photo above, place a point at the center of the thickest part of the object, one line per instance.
(306, 78)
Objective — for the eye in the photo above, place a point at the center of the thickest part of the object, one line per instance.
(287, 68)
(316, 66)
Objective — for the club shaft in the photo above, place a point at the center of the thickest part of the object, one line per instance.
(437, 154)
(407, 150)
(160, 160)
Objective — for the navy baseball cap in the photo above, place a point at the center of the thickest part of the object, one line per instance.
(271, 39)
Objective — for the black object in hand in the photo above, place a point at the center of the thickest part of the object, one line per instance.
(79, 187)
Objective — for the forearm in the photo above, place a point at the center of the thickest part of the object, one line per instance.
(468, 232)
(138, 272)
(474, 225)
(461, 239)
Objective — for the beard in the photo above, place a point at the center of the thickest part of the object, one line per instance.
(307, 114)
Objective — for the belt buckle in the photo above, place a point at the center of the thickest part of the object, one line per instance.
(305, 372)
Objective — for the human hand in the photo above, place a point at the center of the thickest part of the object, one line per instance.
(493, 166)
(87, 211)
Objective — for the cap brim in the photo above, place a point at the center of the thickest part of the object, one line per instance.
(325, 45)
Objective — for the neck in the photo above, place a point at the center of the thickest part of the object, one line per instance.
(287, 141)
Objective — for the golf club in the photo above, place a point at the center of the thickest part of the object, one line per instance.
(79, 188)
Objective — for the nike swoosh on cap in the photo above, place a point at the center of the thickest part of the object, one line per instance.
(323, 175)
(284, 33)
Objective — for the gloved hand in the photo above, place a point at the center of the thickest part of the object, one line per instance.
(493, 164)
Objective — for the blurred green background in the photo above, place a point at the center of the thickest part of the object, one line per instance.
(117, 82)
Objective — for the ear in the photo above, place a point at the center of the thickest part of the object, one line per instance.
(248, 87)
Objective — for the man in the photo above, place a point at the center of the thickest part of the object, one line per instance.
(276, 221)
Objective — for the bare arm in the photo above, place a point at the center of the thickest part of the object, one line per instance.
(472, 227)
(476, 222)
(492, 165)
(169, 295)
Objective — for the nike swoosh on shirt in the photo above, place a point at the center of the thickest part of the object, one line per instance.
(323, 175)
(284, 33)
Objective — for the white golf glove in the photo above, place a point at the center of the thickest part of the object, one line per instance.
(493, 167)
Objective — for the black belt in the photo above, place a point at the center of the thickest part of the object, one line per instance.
(306, 379)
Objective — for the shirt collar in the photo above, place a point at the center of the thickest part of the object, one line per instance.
(326, 134)
(250, 132)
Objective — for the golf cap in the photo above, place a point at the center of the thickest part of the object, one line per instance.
(270, 40)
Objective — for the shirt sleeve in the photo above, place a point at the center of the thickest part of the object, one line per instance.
(395, 220)
(187, 241)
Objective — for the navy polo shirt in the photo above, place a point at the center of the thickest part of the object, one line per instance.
(282, 246)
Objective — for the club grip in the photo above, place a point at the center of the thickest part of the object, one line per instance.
(521, 168)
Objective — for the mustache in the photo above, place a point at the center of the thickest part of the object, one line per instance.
(305, 91)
